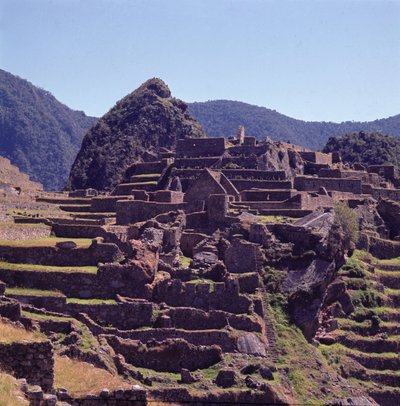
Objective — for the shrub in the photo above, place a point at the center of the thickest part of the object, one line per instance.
(346, 218)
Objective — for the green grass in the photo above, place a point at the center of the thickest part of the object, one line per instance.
(147, 175)
(32, 292)
(47, 268)
(91, 301)
(184, 262)
(275, 219)
(37, 316)
(46, 242)
(150, 182)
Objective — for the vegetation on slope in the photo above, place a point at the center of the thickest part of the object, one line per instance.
(146, 118)
(367, 148)
(39, 134)
(223, 117)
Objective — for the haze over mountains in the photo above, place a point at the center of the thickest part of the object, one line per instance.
(43, 136)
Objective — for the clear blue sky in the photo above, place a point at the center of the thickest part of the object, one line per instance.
(313, 60)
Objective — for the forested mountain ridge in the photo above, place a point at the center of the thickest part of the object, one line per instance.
(38, 133)
(369, 148)
(223, 117)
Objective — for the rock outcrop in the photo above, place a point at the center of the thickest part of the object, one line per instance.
(137, 125)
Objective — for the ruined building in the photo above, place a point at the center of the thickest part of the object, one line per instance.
(174, 280)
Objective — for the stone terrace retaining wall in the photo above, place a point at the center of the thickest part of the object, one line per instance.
(310, 184)
(30, 360)
(136, 396)
(200, 147)
(109, 281)
(20, 232)
(188, 318)
(221, 295)
(123, 316)
(167, 356)
(133, 211)
(244, 184)
(61, 257)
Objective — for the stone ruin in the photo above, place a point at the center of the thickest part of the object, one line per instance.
(181, 252)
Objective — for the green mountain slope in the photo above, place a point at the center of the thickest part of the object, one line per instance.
(223, 117)
(38, 133)
(367, 148)
(146, 118)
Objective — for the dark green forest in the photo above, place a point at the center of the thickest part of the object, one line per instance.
(223, 117)
(39, 134)
(370, 148)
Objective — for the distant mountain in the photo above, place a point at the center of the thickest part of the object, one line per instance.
(133, 130)
(38, 133)
(366, 148)
(223, 117)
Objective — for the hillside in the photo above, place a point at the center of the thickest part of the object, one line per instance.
(223, 117)
(12, 177)
(367, 148)
(138, 124)
(39, 134)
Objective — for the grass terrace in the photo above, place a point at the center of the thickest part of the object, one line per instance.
(37, 316)
(47, 268)
(91, 301)
(147, 175)
(11, 334)
(276, 219)
(46, 242)
(32, 292)
(81, 378)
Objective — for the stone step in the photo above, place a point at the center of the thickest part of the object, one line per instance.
(95, 216)
(367, 330)
(369, 344)
(64, 200)
(75, 208)
(384, 361)
(390, 279)
(386, 378)
(385, 396)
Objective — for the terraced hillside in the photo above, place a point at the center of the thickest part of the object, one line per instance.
(366, 346)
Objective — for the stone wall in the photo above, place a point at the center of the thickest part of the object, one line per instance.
(310, 184)
(254, 174)
(244, 184)
(189, 240)
(123, 316)
(137, 396)
(188, 318)
(127, 280)
(380, 248)
(104, 204)
(23, 232)
(241, 257)
(133, 211)
(170, 355)
(220, 295)
(30, 360)
(275, 195)
(200, 147)
(316, 157)
(96, 253)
